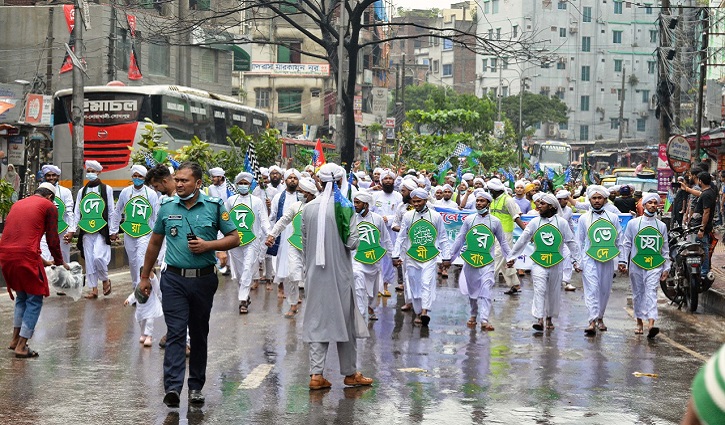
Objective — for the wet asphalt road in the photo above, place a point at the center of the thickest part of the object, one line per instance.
(92, 370)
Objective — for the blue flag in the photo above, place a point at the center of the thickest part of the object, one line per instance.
(550, 174)
(567, 175)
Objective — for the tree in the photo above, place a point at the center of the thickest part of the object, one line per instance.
(535, 108)
(321, 23)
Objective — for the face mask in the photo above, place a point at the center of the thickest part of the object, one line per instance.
(301, 197)
(243, 188)
(189, 196)
(649, 214)
(138, 182)
(482, 211)
(91, 176)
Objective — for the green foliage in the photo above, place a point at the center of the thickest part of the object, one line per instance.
(151, 144)
(445, 121)
(6, 193)
(535, 108)
(200, 152)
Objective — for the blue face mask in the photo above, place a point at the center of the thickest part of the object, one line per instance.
(189, 196)
(243, 188)
(482, 211)
(138, 182)
(649, 214)
(91, 176)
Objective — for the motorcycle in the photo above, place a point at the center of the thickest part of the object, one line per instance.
(685, 282)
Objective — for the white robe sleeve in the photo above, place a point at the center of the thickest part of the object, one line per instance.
(570, 241)
(113, 216)
(402, 236)
(69, 215)
(443, 240)
(284, 221)
(627, 241)
(502, 242)
(524, 239)
(461, 238)
(262, 216)
(385, 240)
(122, 200)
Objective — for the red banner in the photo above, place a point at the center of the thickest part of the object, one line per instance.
(134, 72)
(70, 20)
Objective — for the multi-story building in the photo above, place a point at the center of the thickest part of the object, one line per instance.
(590, 46)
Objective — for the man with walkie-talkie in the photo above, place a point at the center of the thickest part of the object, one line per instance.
(189, 222)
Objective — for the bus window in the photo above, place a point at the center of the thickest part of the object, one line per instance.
(239, 118)
(220, 125)
(203, 123)
(177, 117)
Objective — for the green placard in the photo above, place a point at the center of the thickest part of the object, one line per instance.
(137, 213)
(243, 217)
(479, 242)
(92, 207)
(649, 248)
(602, 241)
(295, 238)
(369, 250)
(547, 244)
(62, 225)
(422, 235)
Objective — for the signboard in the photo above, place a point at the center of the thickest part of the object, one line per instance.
(10, 102)
(664, 179)
(37, 109)
(679, 154)
(294, 69)
(380, 102)
(16, 150)
(390, 122)
(662, 156)
(357, 107)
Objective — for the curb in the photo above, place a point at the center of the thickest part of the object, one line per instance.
(714, 299)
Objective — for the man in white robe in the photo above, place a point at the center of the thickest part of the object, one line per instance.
(66, 221)
(567, 214)
(386, 203)
(280, 203)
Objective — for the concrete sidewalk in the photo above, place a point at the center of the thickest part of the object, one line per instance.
(714, 299)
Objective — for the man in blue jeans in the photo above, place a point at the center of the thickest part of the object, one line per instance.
(703, 213)
(22, 266)
(189, 222)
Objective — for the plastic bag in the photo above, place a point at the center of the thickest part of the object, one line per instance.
(69, 282)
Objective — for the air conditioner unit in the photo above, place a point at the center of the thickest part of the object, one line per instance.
(553, 131)
(644, 114)
(600, 21)
(573, 30)
(563, 134)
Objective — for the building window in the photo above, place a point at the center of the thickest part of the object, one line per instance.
(561, 65)
(645, 96)
(498, 33)
(641, 124)
(561, 5)
(494, 64)
(587, 14)
(289, 53)
(447, 44)
(208, 68)
(584, 103)
(583, 132)
(617, 7)
(648, 9)
(617, 37)
(650, 67)
(486, 8)
(652, 36)
(586, 44)
(560, 93)
(123, 49)
(447, 69)
(291, 6)
(563, 126)
(537, 125)
(200, 4)
(436, 65)
(562, 32)
(484, 62)
(262, 98)
(504, 91)
(289, 101)
(618, 65)
(614, 123)
(505, 63)
(490, 33)
(159, 56)
(585, 73)
(619, 95)
(515, 30)
(494, 6)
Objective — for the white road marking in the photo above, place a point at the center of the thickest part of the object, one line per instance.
(120, 274)
(256, 376)
(673, 343)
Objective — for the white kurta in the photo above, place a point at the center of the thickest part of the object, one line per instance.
(547, 281)
(447, 204)
(283, 253)
(96, 253)
(218, 191)
(245, 258)
(644, 282)
(477, 282)
(136, 247)
(386, 205)
(566, 214)
(368, 277)
(421, 277)
(295, 277)
(69, 217)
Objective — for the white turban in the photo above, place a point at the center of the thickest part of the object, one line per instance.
(308, 185)
(437, 189)
(550, 199)
(409, 184)
(479, 180)
(216, 172)
(613, 189)
(244, 176)
(597, 189)
(563, 194)
(289, 172)
(520, 183)
(495, 184)
(305, 174)
(340, 173)
(648, 196)
(264, 171)
(50, 168)
(139, 169)
(378, 170)
(363, 184)
(310, 168)
(480, 193)
(419, 193)
(447, 186)
(327, 172)
(463, 182)
(46, 185)
(360, 175)
(275, 168)
(537, 196)
(364, 196)
(93, 165)
(387, 173)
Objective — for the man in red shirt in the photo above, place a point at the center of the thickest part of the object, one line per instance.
(22, 265)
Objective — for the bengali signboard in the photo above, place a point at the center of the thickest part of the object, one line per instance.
(292, 69)
(679, 154)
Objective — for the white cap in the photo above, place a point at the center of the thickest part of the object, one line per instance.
(46, 185)
(94, 165)
(364, 196)
(216, 172)
(244, 176)
(139, 169)
(50, 168)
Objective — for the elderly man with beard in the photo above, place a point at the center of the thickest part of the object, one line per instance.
(599, 236)
(386, 203)
(281, 247)
(422, 238)
(549, 233)
(507, 211)
(306, 192)
(66, 220)
(477, 236)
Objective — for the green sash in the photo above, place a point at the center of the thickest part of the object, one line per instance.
(479, 242)
(603, 241)
(137, 212)
(547, 242)
(92, 207)
(422, 235)
(369, 250)
(243, 218)
(295, 238)
(649, 248)
(62, 225)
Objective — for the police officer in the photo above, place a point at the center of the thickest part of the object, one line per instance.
(190, 222)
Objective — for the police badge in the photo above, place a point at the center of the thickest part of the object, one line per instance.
(174, 231)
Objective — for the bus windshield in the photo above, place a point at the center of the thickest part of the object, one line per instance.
(551, 154)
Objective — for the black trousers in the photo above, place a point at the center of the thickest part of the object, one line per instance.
(186, 303)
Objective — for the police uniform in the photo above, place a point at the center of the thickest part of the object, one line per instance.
(188, 284)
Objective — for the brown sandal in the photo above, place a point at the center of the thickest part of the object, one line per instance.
(107, 289)
(471, 322)
(485, 326)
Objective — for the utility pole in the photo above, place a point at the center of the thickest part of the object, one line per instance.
(621, 110)
(49, 54)
(663, 89)
(340, 88)
(111, 71)
(703, 74)
(500, 89)
(679, 44)
(78, 99)
(522, 88)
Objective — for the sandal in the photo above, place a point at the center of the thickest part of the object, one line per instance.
(92, 295)
(417, 321)
(243, 309)
(406, 307)
(425, 319)
(638, 331)
(513, 291)
(601, 326)
(472, 322)
(653, 331)
(485, 326)
(107, 289)
(27, 355)
(372, 317)
(290, 314)
(538, 326)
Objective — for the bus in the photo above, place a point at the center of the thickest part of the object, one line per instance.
(114, 122)
(552, 155)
